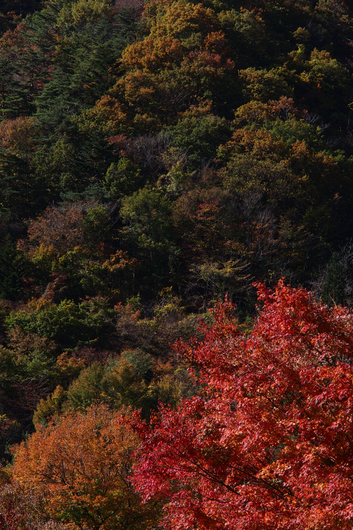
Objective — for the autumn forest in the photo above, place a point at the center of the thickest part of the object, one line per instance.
(176, 265)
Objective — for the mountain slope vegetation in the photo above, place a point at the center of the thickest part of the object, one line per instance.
(155, 158)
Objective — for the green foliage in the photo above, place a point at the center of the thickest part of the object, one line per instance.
(96, 226)
(33, 356)
(146, 214)
(333, 289)
(89, 388)
(90, 36)
(134, 379)
(12, 269)
(68, 324)
(122, 178)
(324, 79)
(49, 407)
(60, 68)
(8, 368)
(19, 188)
(107, 277)
(147, 232)
(13, 94)
(284, 160)
(262, 85)
(197, 134)
(247, 34)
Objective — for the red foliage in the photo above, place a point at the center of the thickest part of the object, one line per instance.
(18, 509)
(267, 444)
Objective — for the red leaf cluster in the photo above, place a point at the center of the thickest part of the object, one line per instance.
(267, 443)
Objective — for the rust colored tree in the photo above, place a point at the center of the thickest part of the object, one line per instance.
(80, 466)
(267, 443)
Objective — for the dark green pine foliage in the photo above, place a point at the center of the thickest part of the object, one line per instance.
(12, 270)
(55, 64)
(333, 289)
(14, 93)
(26, 61)
(17, 191)
(148, 234)
(87, 44)
(18, 74)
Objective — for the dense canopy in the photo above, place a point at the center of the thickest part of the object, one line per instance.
(157, 157)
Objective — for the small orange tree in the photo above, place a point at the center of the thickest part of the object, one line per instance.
(81, 466)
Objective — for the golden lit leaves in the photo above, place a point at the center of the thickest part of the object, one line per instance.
(185, 56)
(165, 51)
(108, 117)
(18, 135)
(324, 72)
(183, 20)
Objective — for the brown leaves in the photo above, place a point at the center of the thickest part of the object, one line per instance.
(59, 229)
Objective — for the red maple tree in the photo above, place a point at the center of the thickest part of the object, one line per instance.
(267, 442)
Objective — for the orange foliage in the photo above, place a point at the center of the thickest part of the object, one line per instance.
(59, 229)
(81, 466)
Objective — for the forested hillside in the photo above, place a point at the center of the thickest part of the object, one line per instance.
(156, 158)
